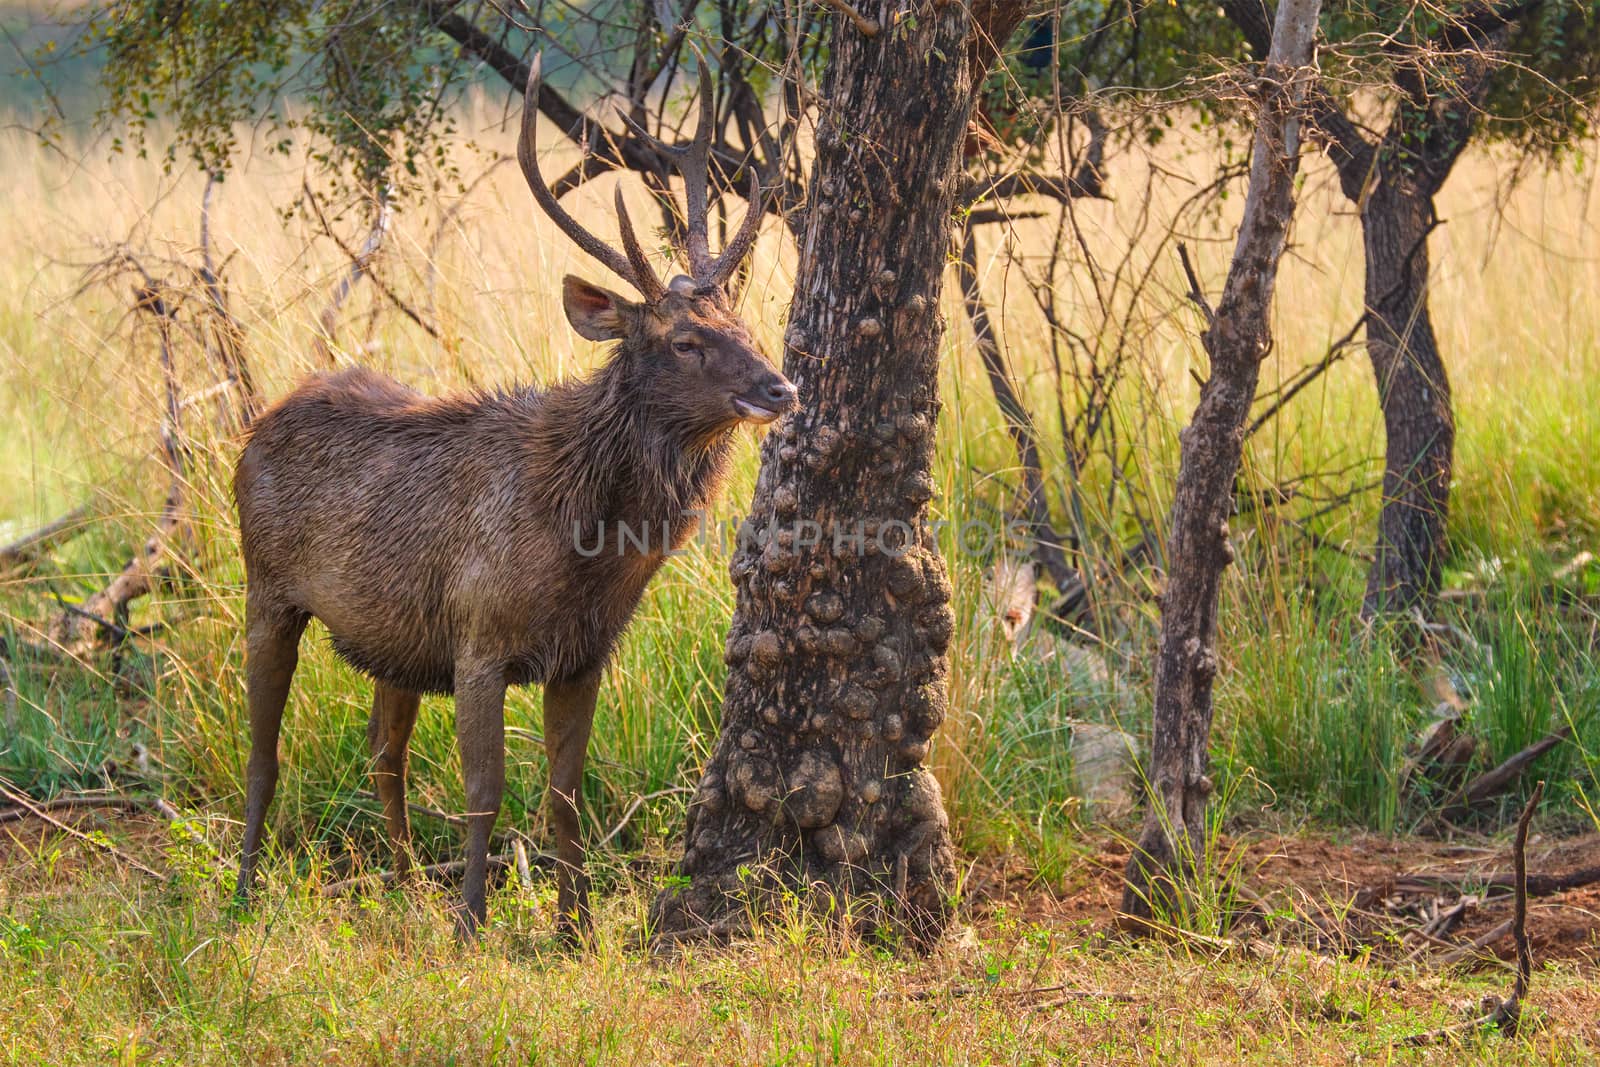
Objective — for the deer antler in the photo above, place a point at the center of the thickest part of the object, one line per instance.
(694, 163)
(633, 267)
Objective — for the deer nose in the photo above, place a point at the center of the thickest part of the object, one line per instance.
(780, 392)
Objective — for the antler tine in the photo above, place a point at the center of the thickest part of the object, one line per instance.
(636, 256)
(635, 273)
(728, 262)
(672, 152)
(695, 164)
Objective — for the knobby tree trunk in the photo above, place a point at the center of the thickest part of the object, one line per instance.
(837, 666)
(1415, 394)
(1173, 838)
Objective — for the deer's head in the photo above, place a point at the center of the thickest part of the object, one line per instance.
(689, 347)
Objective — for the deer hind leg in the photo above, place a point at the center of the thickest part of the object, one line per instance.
(481, 735)
(568, 716)
(272, 650)
(394, 713)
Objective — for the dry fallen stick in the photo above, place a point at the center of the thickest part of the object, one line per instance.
(1065, 994)
(1507, 1015)
(73, 803)
(1477, 944)
(30, 546)
(19, 799)
(724, 930)
(175, 817)
(1492, 783)
(519, 852)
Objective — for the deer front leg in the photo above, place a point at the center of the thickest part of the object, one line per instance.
(481, 734)
(394, 714)
(568, 715)
(272, 650)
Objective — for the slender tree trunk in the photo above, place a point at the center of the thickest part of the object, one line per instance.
(837, 667)
(1415, 394)
(1035, 503)
(1172, 842)
(1393, 180)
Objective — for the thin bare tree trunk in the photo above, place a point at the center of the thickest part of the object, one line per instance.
(1414, 390)
(1172, 844)
(1047, 547)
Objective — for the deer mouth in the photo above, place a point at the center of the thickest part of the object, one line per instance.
(752, 412)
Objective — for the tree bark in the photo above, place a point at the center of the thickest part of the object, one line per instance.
(1172, 842)
(837, 666)
(1414, 392)
(1393, 180)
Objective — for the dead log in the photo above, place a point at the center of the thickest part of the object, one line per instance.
(1537, 885)
(1491, 784)
(51, 535)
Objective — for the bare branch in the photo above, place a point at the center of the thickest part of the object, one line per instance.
(1195, 293)
(30, 546)
(867, 27)
(360, 267)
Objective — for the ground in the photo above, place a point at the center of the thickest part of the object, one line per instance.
(107, 964)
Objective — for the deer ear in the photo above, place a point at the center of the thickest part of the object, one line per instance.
(594, 312)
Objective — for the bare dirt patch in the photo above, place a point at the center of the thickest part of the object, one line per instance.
(1348, 893)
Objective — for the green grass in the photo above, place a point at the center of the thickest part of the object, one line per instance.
(127, 971)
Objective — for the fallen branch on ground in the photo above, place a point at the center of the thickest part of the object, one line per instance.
(1537, 885)
(497, 861)
(1492, 783)
(23, 801)
(1065, 994)
(72, 803)
(31, 546)
(1476, 945)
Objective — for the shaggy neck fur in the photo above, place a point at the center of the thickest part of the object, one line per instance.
(613, 447)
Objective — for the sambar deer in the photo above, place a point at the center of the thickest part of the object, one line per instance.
(448, 545)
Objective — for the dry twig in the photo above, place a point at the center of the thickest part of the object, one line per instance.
(30, 546)
(23, 801)
(1507, 1014)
